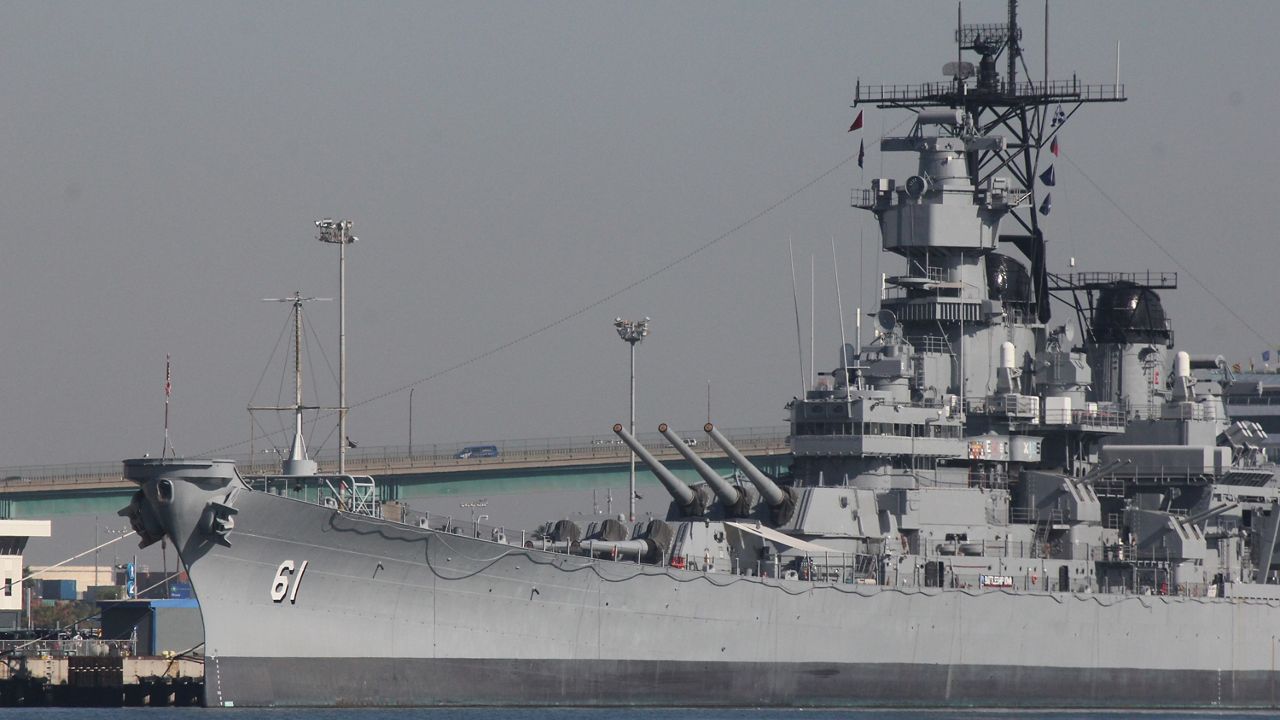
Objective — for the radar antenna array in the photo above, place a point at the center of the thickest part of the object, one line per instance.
(986, 39)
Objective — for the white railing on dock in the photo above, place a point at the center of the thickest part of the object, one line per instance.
(79, 647)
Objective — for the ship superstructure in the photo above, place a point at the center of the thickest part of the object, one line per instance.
(984, 507)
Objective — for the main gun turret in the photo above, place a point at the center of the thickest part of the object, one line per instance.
(690, 502)
(780, 501)
(737, 501)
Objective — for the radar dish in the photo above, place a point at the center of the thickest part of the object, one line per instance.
(886, 321)
(959, 69)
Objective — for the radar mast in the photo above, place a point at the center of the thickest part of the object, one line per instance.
(1030, 113)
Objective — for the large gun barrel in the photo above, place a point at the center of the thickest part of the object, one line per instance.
(684, 495)
(1210, 513)
(779, 500)
(734, 499)
(653, 545)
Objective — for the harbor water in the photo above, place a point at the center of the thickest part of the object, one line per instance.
(522, 713)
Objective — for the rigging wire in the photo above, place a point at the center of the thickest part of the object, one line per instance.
(270, 361)
(593, 304)
(1162, 249)
(310, 374)
(57, 565)
(283, 328)
(96, 613)
(265, 434)
(310, 335)
(285, 375)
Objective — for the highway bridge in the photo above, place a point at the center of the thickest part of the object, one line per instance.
(544, 465)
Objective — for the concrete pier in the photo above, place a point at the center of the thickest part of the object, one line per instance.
(86, 681)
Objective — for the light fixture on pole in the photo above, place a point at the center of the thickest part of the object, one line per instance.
(481, 503)
(338, 232)
(633, 332)
(410, 422)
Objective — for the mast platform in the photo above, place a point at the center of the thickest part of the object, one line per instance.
(1105, 279)
(946, 94)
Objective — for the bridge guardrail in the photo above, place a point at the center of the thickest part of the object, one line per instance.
(400, 457)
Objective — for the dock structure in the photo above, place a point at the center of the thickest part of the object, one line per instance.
(14, 535)
(41, 680)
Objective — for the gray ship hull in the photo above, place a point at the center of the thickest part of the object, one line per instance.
(386, 614)
(347, 682)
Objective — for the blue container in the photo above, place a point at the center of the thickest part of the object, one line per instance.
(58, 589)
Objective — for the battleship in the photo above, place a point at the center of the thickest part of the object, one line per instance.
(984, 507)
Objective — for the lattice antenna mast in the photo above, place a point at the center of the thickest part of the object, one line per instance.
(1018, 110)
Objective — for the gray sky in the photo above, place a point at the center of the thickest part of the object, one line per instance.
(507, 164)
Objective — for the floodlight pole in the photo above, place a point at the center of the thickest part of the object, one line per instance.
(632, 332)
(338, 232)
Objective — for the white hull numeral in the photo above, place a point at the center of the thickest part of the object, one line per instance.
(281, 585)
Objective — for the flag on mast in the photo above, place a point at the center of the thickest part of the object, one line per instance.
(857, 122)
(1059, 117)
(862, 152)
(1048, 178)
(168, 390)
(1046, 205)
(1053, 146)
